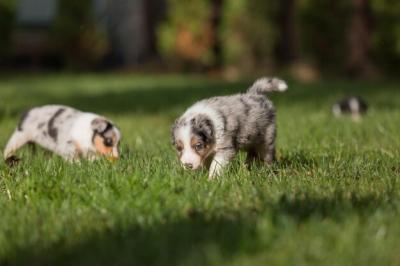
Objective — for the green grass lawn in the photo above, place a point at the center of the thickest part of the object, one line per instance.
(332, 198)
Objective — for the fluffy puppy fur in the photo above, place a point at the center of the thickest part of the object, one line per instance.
(65, 131)
(218, 127)
(354, 106)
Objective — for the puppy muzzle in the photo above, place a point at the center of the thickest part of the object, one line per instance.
(114, 155)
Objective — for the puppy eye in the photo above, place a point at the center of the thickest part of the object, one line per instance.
(179, 148)
(108, 142)
(199, 146)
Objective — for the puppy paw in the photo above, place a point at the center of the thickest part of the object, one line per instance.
(12, 161)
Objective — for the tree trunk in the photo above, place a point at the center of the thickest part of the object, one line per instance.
(155, 12)
(359, 39)
(216, 18)
(287, 46)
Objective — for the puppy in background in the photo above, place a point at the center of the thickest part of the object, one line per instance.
(65, 131)
(353, 106)
(217, 128)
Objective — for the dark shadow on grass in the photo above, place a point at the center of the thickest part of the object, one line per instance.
(143, 101)
(181, 242)
(189, 240)
(149, 100)
(157, 100)
(296, 159)
(303, 206)
(132, 100)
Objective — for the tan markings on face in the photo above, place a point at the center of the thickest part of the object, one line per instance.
(199, 147)
(179, 147)
(114, 138)
(100, 147)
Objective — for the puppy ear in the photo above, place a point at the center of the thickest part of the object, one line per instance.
(99, 124)
(173, 129)
(204, 127)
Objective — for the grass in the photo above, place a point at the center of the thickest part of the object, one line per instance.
(333, 197)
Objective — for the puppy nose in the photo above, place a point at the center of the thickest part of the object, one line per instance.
(188, 165)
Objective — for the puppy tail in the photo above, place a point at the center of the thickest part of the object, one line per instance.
(265, 85)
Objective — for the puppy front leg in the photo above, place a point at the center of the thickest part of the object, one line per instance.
(70, 151)
(220, 160)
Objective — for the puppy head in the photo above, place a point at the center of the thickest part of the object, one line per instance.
(106, 138)
(194, 140)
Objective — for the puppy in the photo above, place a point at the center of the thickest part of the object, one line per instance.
(354, 106)
(65, 131)
(218, 127)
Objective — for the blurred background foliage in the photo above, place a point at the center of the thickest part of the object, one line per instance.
(386, 39)
(185, 36)
(75, 35)
(7, 17)
(323, 34)
(358, 38)
(247, 34)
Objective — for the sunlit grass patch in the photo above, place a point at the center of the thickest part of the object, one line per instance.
(332, 197)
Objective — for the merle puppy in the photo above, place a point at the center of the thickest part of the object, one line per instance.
(218, 127)
(65, 131)
(353, 106)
